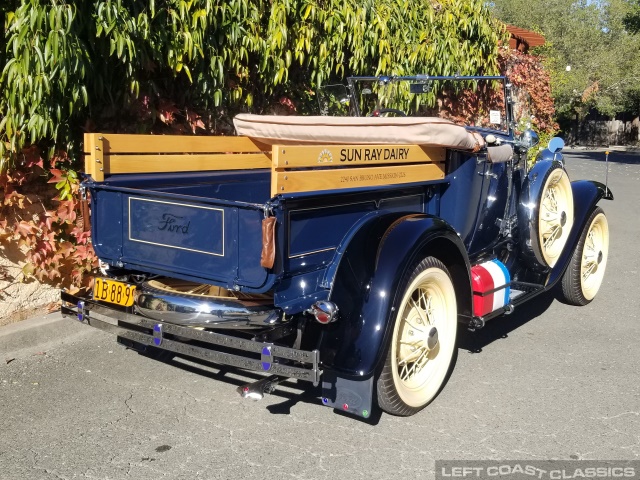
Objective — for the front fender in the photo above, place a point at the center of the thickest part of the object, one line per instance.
(365, 286)
(586, 194)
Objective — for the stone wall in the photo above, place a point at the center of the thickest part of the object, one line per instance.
(16, 295)
(20, 296)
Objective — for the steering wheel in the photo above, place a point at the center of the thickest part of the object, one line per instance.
(382, 111)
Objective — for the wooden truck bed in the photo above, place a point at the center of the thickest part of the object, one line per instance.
(193, 207)
(303, 153)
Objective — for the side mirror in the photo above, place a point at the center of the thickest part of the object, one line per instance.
(552, 152)
(530, 138)
(556, 144)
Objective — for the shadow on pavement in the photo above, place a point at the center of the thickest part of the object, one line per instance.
(473, 342)
(501, 327)
(306, 392)
(599, 156)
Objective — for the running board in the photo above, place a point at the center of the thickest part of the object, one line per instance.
(520, 293)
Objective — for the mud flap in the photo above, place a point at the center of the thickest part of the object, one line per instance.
(351, 396)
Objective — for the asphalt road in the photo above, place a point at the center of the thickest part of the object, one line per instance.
(550, 381)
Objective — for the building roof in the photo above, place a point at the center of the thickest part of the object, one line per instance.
(522, 39)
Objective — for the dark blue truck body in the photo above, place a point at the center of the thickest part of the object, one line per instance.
(351, 248)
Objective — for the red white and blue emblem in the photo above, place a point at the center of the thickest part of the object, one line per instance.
(490, 281)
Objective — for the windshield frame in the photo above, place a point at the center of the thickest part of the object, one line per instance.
(352, 91)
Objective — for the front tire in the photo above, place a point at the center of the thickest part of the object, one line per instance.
(583, 277)
(422, 346)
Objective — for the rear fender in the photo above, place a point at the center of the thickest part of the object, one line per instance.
(586, 194)
(366, 281)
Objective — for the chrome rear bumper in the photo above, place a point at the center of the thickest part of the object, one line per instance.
(208, 312)
(251, 355)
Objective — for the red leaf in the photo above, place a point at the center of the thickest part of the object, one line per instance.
(57, 175)
(66, 212)
(24, 229)
(31, 158)
(65, 249)
(166, 112)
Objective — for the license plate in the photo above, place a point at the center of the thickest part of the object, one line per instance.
(112, 291)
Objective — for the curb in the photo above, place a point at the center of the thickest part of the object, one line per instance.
(37, 331)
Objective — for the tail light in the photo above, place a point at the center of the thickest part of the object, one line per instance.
(324, 312)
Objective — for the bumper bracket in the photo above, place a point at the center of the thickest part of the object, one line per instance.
(196, 343)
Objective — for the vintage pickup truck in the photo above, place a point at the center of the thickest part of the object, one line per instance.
(339, 250)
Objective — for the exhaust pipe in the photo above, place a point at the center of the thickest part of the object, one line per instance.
(257, 390)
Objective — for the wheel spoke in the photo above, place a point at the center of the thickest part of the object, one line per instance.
(546, 205)
(597, 242)
(590, 269)
(591, 252)
(551, 197)
(411, 356)
(547, 197)
(423, 317)
(430, 316)
(413, 326)
(421, 361)
(552, 236)
(428, 306)
(403, 372)
(409, 371)
(425, 300)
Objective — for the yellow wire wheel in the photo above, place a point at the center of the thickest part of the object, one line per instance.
(423, 341)
(583, 277)
(555, 216)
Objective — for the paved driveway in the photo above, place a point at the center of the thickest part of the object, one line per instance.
(551, 381)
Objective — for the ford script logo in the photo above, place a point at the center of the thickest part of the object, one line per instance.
(173, 223)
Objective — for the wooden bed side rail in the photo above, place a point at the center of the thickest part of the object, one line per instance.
(295, 168)
(303, 168)
(107, 154)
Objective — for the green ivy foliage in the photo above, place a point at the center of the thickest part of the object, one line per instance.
(75, 65)
(181, 66)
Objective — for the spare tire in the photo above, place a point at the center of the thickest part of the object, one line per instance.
(545, 214)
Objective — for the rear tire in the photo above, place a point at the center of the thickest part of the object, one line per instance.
(423, 342)
(583, 277)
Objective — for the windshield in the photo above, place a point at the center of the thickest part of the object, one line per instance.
(334, 101)
(468, 101)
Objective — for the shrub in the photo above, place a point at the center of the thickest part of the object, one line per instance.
(189, 66)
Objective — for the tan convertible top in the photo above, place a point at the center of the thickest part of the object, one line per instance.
(433, 131)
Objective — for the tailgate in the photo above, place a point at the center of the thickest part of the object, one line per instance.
(178, 235)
